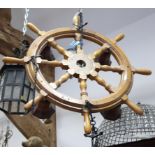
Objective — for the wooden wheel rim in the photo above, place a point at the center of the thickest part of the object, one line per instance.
(67, 102)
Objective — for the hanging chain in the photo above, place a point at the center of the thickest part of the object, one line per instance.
(24, 43)
(25, 21)
(94, 134)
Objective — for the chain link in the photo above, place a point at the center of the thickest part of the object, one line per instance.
(25, 20)
(24, 43)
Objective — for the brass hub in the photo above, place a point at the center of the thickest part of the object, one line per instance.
(81, 64)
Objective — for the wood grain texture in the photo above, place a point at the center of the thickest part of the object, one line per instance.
(30, 125)
(10, 37)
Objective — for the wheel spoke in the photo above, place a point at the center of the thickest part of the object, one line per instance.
(54, 63)
(118, 38)
(137, 109)
(61, 80)
(100, 51)
(103, 83)
(78, 37)
(142, 71)
(36, 100)
(59, 48)
(13, 60)
(83, 88)
(35, 29)
(117, 69)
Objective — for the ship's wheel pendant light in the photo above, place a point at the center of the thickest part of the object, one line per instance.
(80, 65)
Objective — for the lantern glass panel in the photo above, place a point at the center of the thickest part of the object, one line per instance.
(1, 85)
(19, 76)
(6, 106)
(27, 82)
(14, 107)
(26, 93)
(21, 108)
(31, 94)
(1, 88)
(16, 92)
(10, 77)
(7, 92)
(2, 80)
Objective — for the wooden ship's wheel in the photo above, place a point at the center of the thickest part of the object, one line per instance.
(81, 66)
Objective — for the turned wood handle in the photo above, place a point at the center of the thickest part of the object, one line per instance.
(112, 68)
(133, 106)
(87, 124)
(142, 71)
(103, 83)
(100, 51)
(53, 63)
(35, 29)
(119, 37)
(12, 60)
(83, 88)
(62, 79)
(59, 48)
(37, 100)
(76, 20)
